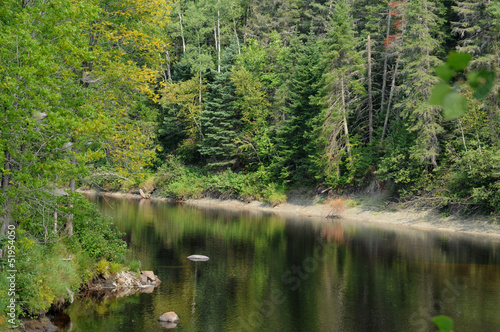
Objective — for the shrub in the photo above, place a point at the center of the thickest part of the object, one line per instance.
(335, 207)
(96, 234)
(46, 278)
(274, 194)
(135, 266)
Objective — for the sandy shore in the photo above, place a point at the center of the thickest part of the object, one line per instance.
(365, 209)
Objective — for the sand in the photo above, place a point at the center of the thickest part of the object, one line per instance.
(366, 209)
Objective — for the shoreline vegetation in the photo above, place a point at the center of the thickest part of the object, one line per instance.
(367, 208)
(331, 96)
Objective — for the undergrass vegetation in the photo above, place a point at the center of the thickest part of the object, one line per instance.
(55, 268)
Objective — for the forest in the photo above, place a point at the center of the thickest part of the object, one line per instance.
(232, 98)
(331, 95)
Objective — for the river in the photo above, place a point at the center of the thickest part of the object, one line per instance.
(277, 273)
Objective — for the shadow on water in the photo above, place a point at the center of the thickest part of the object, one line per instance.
(272, 273)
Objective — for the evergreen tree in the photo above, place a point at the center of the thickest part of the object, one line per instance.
(422, 38)
(341, 90)
(218, 119)
(293, 160)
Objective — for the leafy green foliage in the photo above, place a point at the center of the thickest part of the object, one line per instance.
(444, 323)
(46, 278)
(454, 104)
(96, 234)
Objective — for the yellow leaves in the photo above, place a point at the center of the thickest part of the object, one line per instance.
(129, 148)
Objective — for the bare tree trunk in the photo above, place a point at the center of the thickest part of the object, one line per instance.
(72, 187)
(370, 97)
(182, 35)
(386, 58)
(393, 86)
(346, 130)
(215, 37)
(55, 222)
(169, 73)
(5, 175)
(463, 139)
(199, 89)
(237, 38)
(72, 182)
(218, 36)
(5, 218)
(69, 223)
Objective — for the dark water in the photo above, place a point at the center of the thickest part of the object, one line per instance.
(270, 273)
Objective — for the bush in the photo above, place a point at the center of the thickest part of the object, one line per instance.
(274, 194)
(46, 278)
(175, 179)
(335, 206)
(96, 234)
(135, 266)
(475, 178)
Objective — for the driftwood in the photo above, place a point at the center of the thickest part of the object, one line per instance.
(144, 195)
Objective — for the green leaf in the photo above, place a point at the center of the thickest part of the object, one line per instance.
(438, 93)
(483, 83)
(454, 106)
(444, 72)
(459, 61)
(444, 323)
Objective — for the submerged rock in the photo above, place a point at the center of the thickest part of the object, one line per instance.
(198, 258)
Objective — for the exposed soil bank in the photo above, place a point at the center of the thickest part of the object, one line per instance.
(365, 209)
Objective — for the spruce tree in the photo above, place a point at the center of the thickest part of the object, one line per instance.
(342, 88)
(294, 160)
(218, 119)
(421, 46)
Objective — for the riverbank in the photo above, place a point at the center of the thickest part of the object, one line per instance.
(368, 209)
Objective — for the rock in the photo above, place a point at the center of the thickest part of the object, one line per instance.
(39, 325)
(169, 317)
(144, 279)
(149, 274)
(149, 278)
(198, 258)
(147, 289)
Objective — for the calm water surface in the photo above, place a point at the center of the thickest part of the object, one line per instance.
(273, 273)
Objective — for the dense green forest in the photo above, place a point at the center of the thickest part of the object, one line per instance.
(236, 98)
(329, 94)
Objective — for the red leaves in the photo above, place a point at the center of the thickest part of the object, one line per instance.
(397, 24)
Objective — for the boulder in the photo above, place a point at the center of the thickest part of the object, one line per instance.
(149, 274)
(169, 317)
(144, 279)
(149, 278)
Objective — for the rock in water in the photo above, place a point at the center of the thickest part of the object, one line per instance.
(198, 258)
(169, 317)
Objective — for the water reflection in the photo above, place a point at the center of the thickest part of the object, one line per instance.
(270, 273)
